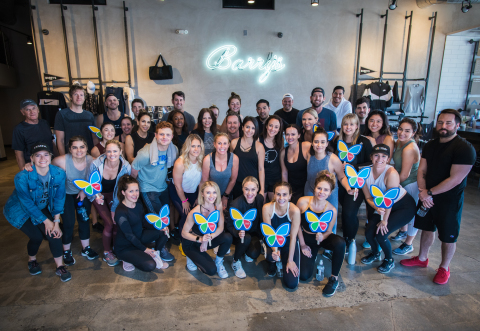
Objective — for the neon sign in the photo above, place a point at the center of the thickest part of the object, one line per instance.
(221, 59)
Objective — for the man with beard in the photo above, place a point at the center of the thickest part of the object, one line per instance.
(263, 111)
(326, 117)
(362, 108)
(287, 113)
(442, 178)
(178, 100)
(233, 125)
(339, 104)
(113, 114)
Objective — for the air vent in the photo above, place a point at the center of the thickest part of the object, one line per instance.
(243, 4)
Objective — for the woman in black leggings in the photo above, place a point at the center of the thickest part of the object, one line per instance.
(132, 238)
(195, 244)
(251, 238)
(310, 242)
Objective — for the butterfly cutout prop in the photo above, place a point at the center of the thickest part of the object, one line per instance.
(96, 131)
(318, 224)
(330, 134)
(92, 187)
(384, 199)
(347, 154)
(356, 180)
(160, 221)
(276, 238)
(243, 222)
(207, 225)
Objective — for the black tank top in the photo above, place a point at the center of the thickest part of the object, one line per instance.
(297, 171)
(279, 220)
(108, 185)
(139, 142)
(117, 124)
(305, 225)
(273, 171)
(248, 162)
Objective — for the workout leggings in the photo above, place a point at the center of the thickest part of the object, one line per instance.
(349, 212)
(177, 203)
(412, 189)
(250, 246)
(401, 213)
(110, 229)
(68, 219)
(288, 278)
(140, 259)
(333, 243)
(36, 233)
(201, 259)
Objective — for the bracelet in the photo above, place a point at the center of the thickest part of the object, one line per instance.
(186, 199)
(56, 220)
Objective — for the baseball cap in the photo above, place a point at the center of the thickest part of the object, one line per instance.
(90, 87)
(287, 95)
(27, 102)
(318, 89)
(40, 147)
(109, 95)
(381, 148)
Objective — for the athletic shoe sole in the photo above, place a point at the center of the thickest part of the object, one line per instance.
(386, 272)
(167, 259)
(402, 252)
(65, 280)
(36, 273)
(370, 262)
(89, 257)
(110, 264)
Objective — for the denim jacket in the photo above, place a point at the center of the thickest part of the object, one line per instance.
(22, 204)
(99, 163)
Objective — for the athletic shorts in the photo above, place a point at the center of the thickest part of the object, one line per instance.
(445, 216)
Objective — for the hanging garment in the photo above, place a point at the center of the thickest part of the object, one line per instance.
(49, 103)
(414, 99)
(91, 103)
(360, 90)
(129, 95)
(396, 98)
(380, 94)
(118, 92)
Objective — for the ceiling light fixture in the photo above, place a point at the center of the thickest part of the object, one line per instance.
(466, 6)
(29, 40)
(392, 5)
(251, 1)
(315, 3)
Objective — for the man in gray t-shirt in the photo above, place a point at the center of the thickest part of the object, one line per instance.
(178, 99)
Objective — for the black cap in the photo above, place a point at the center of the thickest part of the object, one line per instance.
(109, 95)
(40, 147)
(318, 89)
(381, 148)
(27, 102)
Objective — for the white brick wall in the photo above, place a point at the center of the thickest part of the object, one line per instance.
(456, 66)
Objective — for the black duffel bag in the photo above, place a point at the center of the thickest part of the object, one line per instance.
(160, 73)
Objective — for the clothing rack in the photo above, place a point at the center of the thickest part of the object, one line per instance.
(403, 74)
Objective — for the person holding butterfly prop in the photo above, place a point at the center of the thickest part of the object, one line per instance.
(242, 222)
(318, 217)
(203, 230)
(132, 238)
(107, 132)
(279, 216)
(393, 207)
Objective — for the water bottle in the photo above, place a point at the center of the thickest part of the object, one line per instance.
(352, 252)
(82, 211)
(422, 211)
(320, 271)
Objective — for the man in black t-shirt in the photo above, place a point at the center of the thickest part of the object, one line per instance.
(31, 131)
(442, 178)
(288, 113)
(362, 108)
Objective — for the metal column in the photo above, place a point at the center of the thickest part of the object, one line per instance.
(357, 73)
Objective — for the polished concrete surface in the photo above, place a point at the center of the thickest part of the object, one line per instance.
(104, 298)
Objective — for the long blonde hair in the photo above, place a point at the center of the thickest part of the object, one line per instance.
(354, 119)
(312, 112)
(201, 199)
(186, 149)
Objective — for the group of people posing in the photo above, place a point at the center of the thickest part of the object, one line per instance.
(206, 178)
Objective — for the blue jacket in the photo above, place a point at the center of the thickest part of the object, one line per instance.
(22, 204)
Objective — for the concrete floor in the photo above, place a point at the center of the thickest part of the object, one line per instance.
(103, 298)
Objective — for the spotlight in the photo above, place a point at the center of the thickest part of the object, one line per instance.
(392, 5)
(29, 40)
(466, 6)
(315, 3)
(251, 1)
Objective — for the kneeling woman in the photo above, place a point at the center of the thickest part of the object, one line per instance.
(195, 244)
(35, 207)
(311, 242)
(251, 238)
(277, 213)
(132, 238)
(385, 177)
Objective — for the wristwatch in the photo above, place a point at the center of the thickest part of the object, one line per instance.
(197, 239)
(226, 195)
(429, 193)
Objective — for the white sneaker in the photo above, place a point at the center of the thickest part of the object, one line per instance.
(128, 266)
(237, 267)
(248, 258)
(190, 265)
(222, 273)
(279, 269)
(158, 260)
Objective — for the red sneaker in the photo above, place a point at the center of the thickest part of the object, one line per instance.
(414, 262)
(442, 276)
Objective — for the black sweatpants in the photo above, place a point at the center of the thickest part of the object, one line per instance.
(333, 243)
(401, 213)
(288, 278)
(250, 246)
(36, 233)
(201, 259)
(68, 218)
(140, 259)
(350, 209)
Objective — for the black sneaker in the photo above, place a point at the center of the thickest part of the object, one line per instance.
(68, 258)
(34, 268)
(331, 287)
(272, 269)
(166, 256)
(65, 276)
(98, 227)
(370, 258)
(328, 255)
(89, 253)
(386, 266)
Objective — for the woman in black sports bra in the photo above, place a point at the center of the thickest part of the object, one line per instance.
(294, 163)
(310, 242)
(251, 156)
(272, 141)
